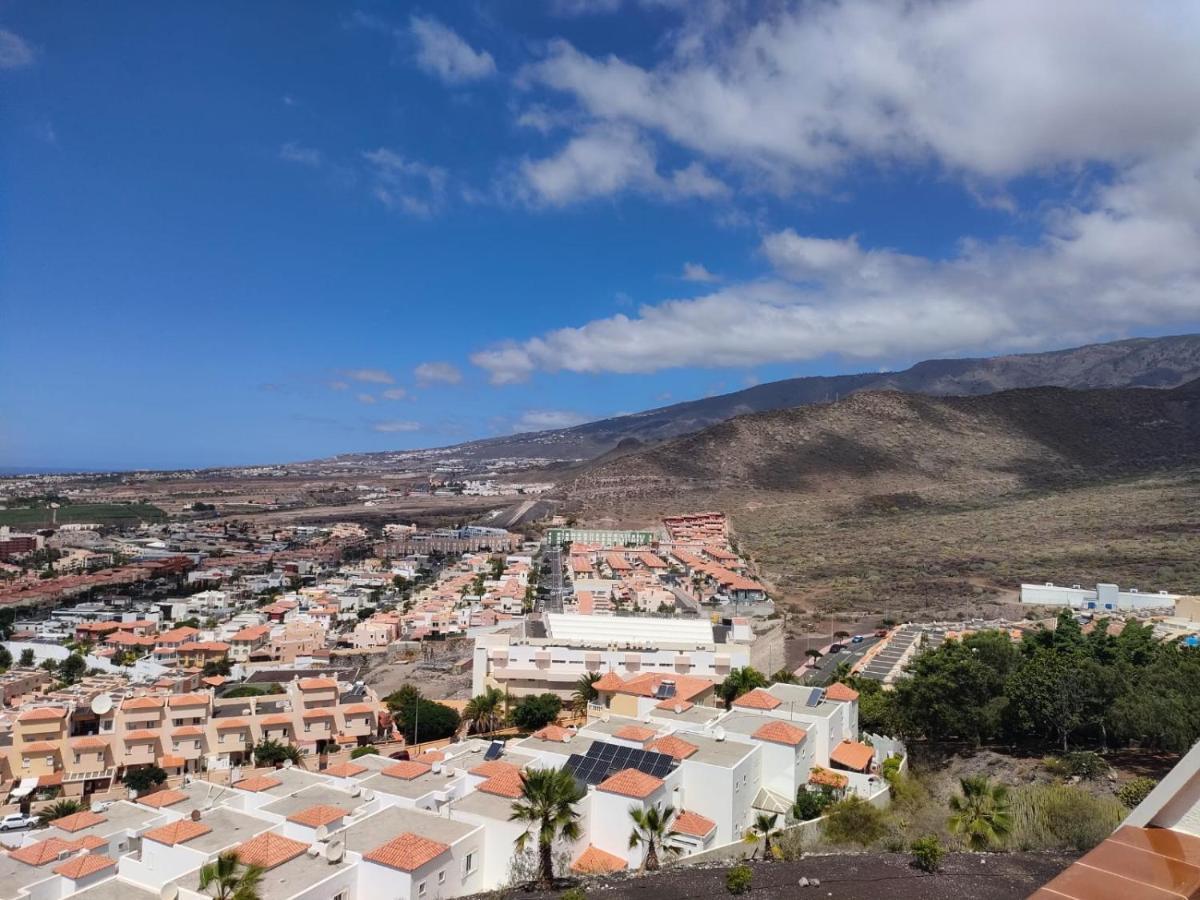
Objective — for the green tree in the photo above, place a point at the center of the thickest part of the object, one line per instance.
(485, 711)
(6, 658)
(226, 878)
(368, 750)
(547, 808)
(738, 682)
(765, 827)
(810, 804)
(980, 814)
(585, 692)
(535, 711)
(420, 719)
(274, 753)
(144, 778)
(27, 658)
(72, 668)
(651, 828)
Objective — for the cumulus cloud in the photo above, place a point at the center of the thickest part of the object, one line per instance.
(15, 52)
(437, 371)
(396, 393)
(368, 399)
(548, 419)
(992, 88)
(297, 153)
(445, 55)
(404, 184)
(698, 273)
(395, 426)
(370, 376)
(339, 386)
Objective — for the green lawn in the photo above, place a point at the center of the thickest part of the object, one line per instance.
(102, 513)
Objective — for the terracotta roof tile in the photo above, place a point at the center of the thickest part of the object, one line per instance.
(494, 767)
(42, 714)
(144, 734)
(325, 713)
(839, 691)
(673, 746)
(675, 705)
(178, 832)
(631, 783)
(269, 850)
(159, 799)
(143, 703)
(91, 842)
(171, 761)
(693, 824)
(637, 733)
(504, 784)
(82, 866)
(552, 733)
(594, 861)
(90, 742)
(430, 757)
(42, 852)
(228, 724)
(757, 699)
(781, 733)
(407, 769)
(345, 770)
(407, 852)
(316, 816)
(358, 709)
(188, 700)
(277, 719)
(188, 731)
(826, 778)
(78, 821)
(318, 684)
(609, 681)
(852, 755)
(256, 783)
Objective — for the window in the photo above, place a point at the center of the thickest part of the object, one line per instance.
(469, 863)
(25, 763)
(442, 877)
(421, 889)
(340, 895)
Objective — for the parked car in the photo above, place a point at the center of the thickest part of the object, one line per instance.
(16, 820)
(836, 648)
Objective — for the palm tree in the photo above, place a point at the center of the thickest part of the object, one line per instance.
(764, 827)
(981, 813)
(547, 806)
(585, 692)
(485, 711)
(738, 682)
(58, 809)
(651, 827)
(228, 879)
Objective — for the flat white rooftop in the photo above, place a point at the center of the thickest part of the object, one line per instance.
(634, 629)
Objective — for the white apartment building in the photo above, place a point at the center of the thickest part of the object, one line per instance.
(1102, 598)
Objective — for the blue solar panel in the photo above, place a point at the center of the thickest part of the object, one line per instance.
(494, 751)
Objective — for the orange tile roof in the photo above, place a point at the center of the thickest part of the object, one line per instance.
(757, 699)
(505, 784)
(609, 681)
(358, 709)
(256, 783)
(407, 769)
(188, 700)
(345, 770)
(316, 816)
(143, 703)
(839, 691)
(171, 761)
(277, 719)
(159, 799)
(42, 714)
(552, 733)
(594, 861)
(78, 821)
(429, 756)
(82, 866)
(224, 724)
(143, 735)
(178, 832)
(407, 852)
(636, 733)
(494, 767)
(42, 852)
(1148, 863)
(269, 850)
(781, 733)
(89, 742)
(826, 778)
(91, 842)
(693, 824)
(674, 705)
(318, 684)
(687, 687)
(318, 713)
(673, 746)
(188, 731)
(631, 783)
(852, 755)
(42, 747)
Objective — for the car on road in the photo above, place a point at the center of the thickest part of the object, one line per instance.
(16, 820)
(857, 639)
(836, 648)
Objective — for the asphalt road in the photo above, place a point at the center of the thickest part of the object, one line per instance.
(820, 673)
(552, 599)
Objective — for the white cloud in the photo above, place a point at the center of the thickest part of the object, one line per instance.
(548, 419)
(607, 160)
(406, 185)
(698, 273)
(989, 88)
(395, 426)
(370, 376)
(396, 393)
(369, 399)
(296, 153)
(437, 371)
(15, 52)
(584, 7)
(442, 53)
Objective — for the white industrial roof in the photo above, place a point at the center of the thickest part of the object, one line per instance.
(632, 629)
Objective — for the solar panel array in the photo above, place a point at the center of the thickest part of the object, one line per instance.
(604, 759)
(494, 750)
(665, 691)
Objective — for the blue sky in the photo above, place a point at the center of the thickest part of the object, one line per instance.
(241, 233)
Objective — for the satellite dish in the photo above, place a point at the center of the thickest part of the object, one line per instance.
(718, 733)
(321, 832)
(355, 791)
(169, 891)
(369, 796)
(437, 768)
(101, 704)
(678, 708)
(287, 763)
(335, 851)
(314, 850)
(566, 738)
(195, 815)
(604, 717)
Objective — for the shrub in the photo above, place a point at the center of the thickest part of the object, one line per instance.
(854, 821)
(810, 804)
(1134, 792)
(1061, 817)
(145, 778)
(535, 711)
(1085, 764)
(369, 750)
(575, 893)
(927, 853)
(738, 878)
